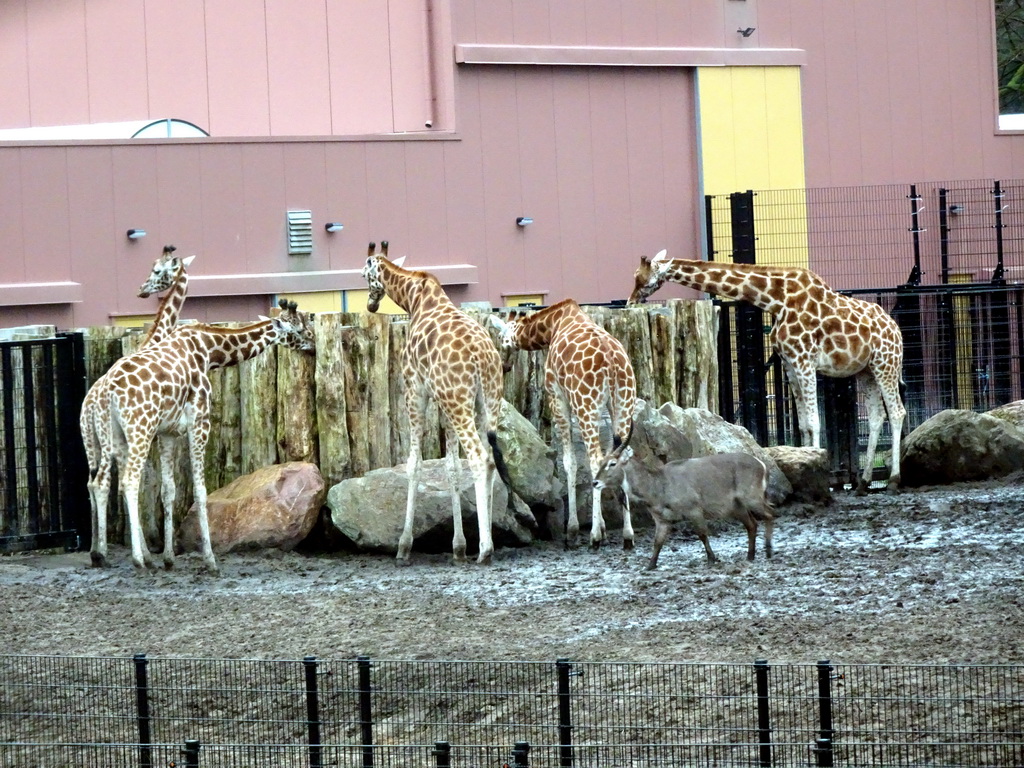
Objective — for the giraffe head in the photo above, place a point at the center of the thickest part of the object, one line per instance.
(649, 277)
(373, 273)
(165, 271)
(508, 331)
(294, 329)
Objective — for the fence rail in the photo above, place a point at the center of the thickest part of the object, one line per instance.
(363, 712)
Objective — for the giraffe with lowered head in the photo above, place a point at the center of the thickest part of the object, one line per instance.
(448, 356)
(164, 391)
(816, 330)
(169, 272)
(586, 369)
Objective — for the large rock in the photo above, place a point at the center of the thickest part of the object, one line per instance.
(959, 445)
(370, 510)
(709, 434)
(531, 463)
(1012, 413)
(273, 508)
(808, 472)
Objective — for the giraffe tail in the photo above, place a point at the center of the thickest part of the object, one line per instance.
(499, 459)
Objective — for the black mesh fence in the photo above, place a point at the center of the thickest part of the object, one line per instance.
(57, 711)
(872, 237)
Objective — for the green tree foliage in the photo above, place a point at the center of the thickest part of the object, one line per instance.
(1010, 55)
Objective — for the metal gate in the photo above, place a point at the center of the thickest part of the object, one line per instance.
(43, 494)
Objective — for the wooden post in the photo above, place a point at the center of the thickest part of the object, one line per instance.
(296, 407)
(257, 420)
(331, 402)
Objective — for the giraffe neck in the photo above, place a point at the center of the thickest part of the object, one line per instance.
(763, 286)
(170, 308)
(224, 347)
(536, 331)
(415, 292)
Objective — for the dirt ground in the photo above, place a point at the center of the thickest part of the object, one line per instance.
(931, 575)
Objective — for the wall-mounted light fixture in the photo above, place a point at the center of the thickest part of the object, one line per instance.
(746, 31)
(523, 221)
(135, 234)
(334, 226)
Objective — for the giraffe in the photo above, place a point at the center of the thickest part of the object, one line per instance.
(586, 369)
(448, 356)
(169, 272)
(815, 330)
(163, 391)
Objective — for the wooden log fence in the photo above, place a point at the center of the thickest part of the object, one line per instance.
(344, 408)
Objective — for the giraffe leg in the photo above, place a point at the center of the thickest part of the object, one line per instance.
(99, 494)
(92, 454)
(897, 413)
(198, 434)
(803, 382)
(563, 431)
(130, 471)
(453, 467)
(168, 493)
(464, 426)
(876, 417)
(627, 516)
(590, 432)
(415, 399)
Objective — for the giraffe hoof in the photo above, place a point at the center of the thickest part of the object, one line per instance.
(862, 489)
(595, 544)
(403, 562)
(627, 544)
(484, 559)
(98, 560)
(168, 565)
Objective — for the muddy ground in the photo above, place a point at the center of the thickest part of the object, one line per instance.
(931, 575)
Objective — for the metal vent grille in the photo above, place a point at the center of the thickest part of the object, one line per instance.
(300, 233)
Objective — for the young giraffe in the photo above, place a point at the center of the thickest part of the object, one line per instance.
(448, 355)
(815, 330)
(169, 271)
(586, 369)
(163, 391)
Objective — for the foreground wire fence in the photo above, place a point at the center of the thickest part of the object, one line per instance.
(63, 711)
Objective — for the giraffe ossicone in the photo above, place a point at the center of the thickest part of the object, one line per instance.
(815, 330)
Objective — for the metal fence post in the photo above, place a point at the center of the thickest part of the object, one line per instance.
(365, 710)
(824, 742)
(442, 753)
(521, 754)
(191, 753)
(142, 706)
(564, 669)
(764, 720)
(312, 711)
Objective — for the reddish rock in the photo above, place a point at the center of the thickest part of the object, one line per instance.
(274, 507)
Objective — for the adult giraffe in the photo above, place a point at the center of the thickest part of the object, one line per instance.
(815, 330)
(448, 356)
(169, 272)
(586, 369)
(163, 391)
